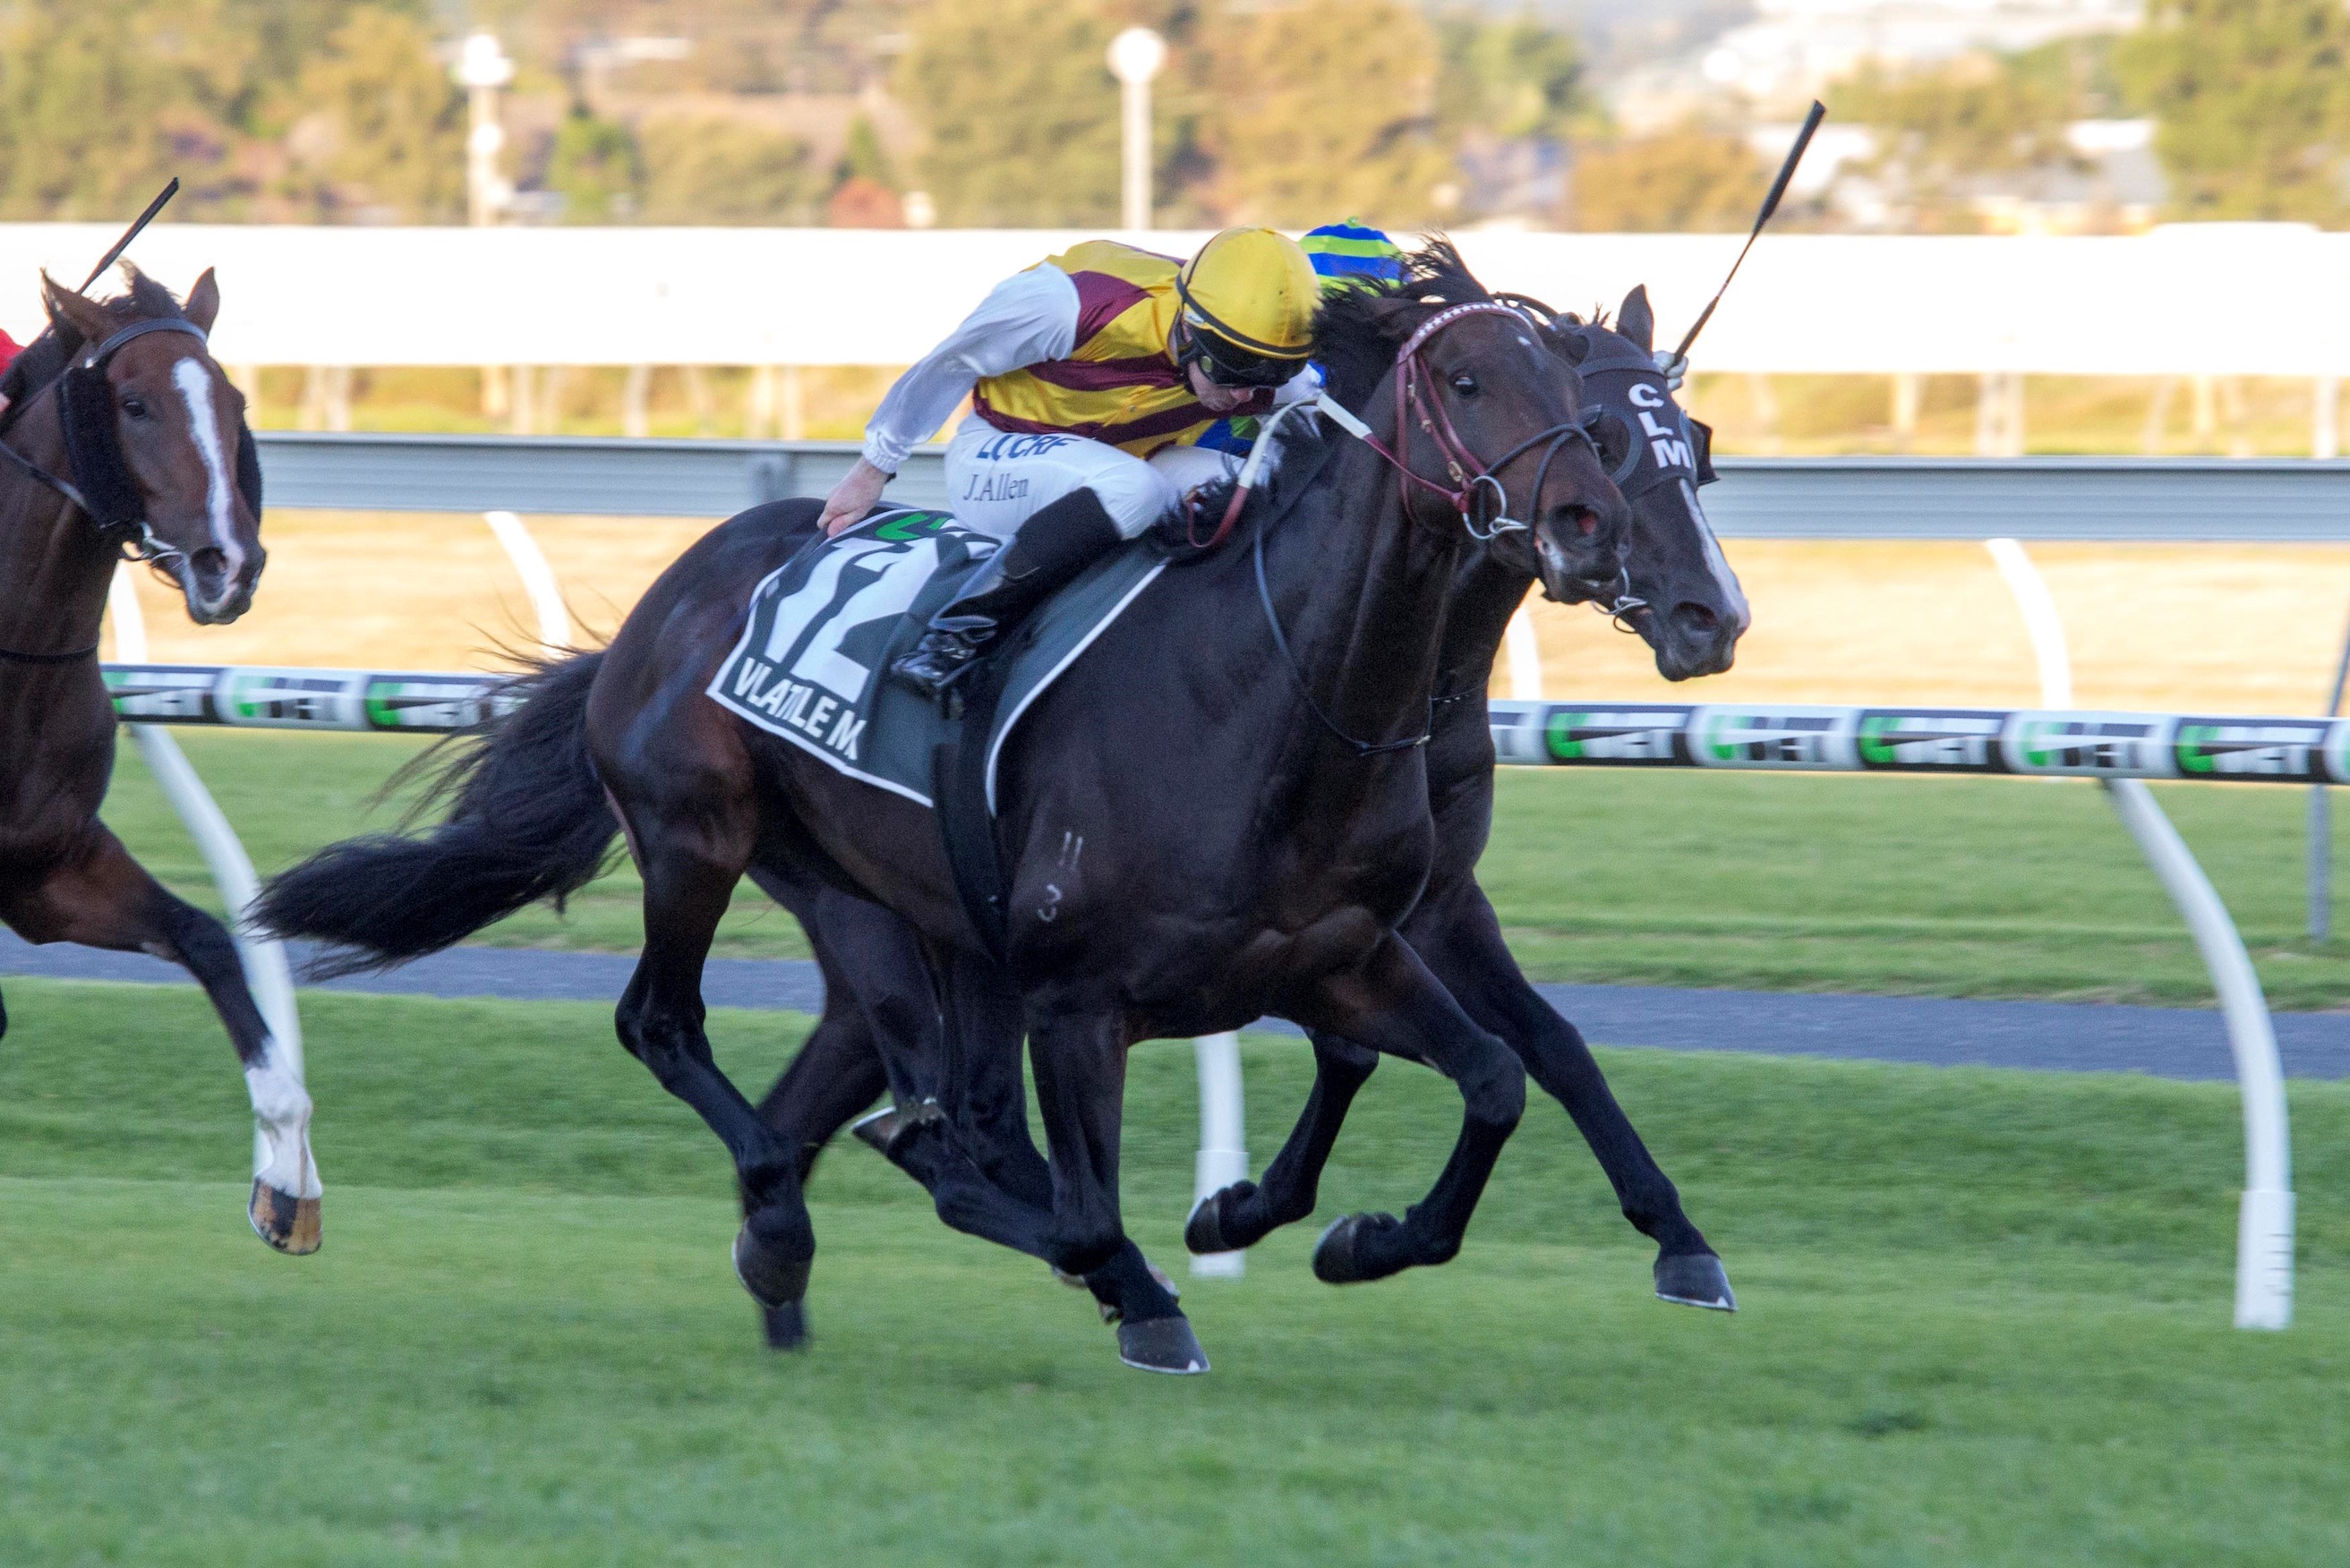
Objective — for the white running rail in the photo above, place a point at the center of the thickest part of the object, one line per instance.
(2264, 1222)
(266, 968)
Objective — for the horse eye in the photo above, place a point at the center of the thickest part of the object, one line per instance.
(135, 407)
(1465, 384)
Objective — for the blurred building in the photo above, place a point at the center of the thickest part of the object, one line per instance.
(1792, 49)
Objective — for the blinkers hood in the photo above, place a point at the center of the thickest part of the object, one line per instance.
(94, 440)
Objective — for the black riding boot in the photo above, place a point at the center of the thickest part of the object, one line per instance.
(1051, 548)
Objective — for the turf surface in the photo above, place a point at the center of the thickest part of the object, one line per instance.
(1985, 1323)
(1940, 886)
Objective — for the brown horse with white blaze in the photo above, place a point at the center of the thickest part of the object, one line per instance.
(123, 434)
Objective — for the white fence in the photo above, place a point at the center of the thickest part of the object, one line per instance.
(2217, 299)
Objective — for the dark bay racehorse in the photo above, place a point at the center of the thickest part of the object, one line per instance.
(126, 435)
(1240, 755)
(881, 1027)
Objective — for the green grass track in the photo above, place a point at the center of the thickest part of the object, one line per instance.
(1986, 1322)
(1933, 886)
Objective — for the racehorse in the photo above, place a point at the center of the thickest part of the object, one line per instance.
(122, 396)
(881, 1028)
(1241, 753)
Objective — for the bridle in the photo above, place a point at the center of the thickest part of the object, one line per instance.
(132, 537)
(1473, 478)
(1471, 481)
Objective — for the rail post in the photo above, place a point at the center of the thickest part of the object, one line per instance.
(2264, 1220)
(2320, 823)
(266, 968)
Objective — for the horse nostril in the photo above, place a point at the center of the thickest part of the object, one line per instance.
(1696, 617)
(208, 562)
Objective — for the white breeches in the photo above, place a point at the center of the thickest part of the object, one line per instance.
(996, 482)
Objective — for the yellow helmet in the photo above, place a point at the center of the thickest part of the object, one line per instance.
(1248, 303)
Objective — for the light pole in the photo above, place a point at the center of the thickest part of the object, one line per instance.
(1136, 56)
(482, 69)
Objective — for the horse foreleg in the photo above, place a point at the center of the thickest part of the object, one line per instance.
(101, 897)
(1465, 950)
(1246, 1212)
(1392, 1004)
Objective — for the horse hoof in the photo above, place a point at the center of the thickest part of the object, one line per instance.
(1162, 1345)
(1203, 1232)
(786, 1325)
(1338, 1254)
(773, 1280)
(1695, 1279)
(287, 1223)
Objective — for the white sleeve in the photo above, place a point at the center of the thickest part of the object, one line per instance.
(1026, 319)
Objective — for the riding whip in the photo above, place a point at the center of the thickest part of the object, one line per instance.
(1770, 205)
(131, 234)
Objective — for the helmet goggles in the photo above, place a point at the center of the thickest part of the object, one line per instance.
(1228, 364)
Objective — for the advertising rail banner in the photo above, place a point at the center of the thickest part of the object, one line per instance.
(1786, 737)
(2069, 743)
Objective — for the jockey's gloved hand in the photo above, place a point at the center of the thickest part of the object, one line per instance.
(1672, 367)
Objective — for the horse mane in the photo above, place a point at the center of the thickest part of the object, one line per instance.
(1356, 335)
(1358, 330)
(49, 355)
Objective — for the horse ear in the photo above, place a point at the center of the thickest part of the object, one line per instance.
(203, 302)
(69, 309)
(1635, 320)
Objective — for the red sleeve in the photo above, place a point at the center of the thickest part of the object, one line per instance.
(9, 349)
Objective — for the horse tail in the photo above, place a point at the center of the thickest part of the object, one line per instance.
(528, 820)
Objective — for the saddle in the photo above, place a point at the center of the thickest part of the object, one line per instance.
(811, 667)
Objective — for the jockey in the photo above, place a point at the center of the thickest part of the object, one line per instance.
(1094, 377)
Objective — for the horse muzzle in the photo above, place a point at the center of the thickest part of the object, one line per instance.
(218, 588)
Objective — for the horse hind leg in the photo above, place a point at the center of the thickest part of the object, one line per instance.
(690, 856)
(101, 897)
(836, 1074)
(1246, 1212)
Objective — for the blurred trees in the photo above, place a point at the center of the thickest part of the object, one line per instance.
(1403, 112)
(705, 170)
(101, 102)
(1326, 108)
(2252, 100)
(1689, 179)
(1019, 108)
(382, 132)
(596, 167)
(1510, 78)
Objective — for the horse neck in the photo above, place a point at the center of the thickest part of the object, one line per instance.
(1485, 595)
(1360, 589)
(54, 570)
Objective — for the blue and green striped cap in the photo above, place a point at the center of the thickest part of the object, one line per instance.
(1350, 254)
